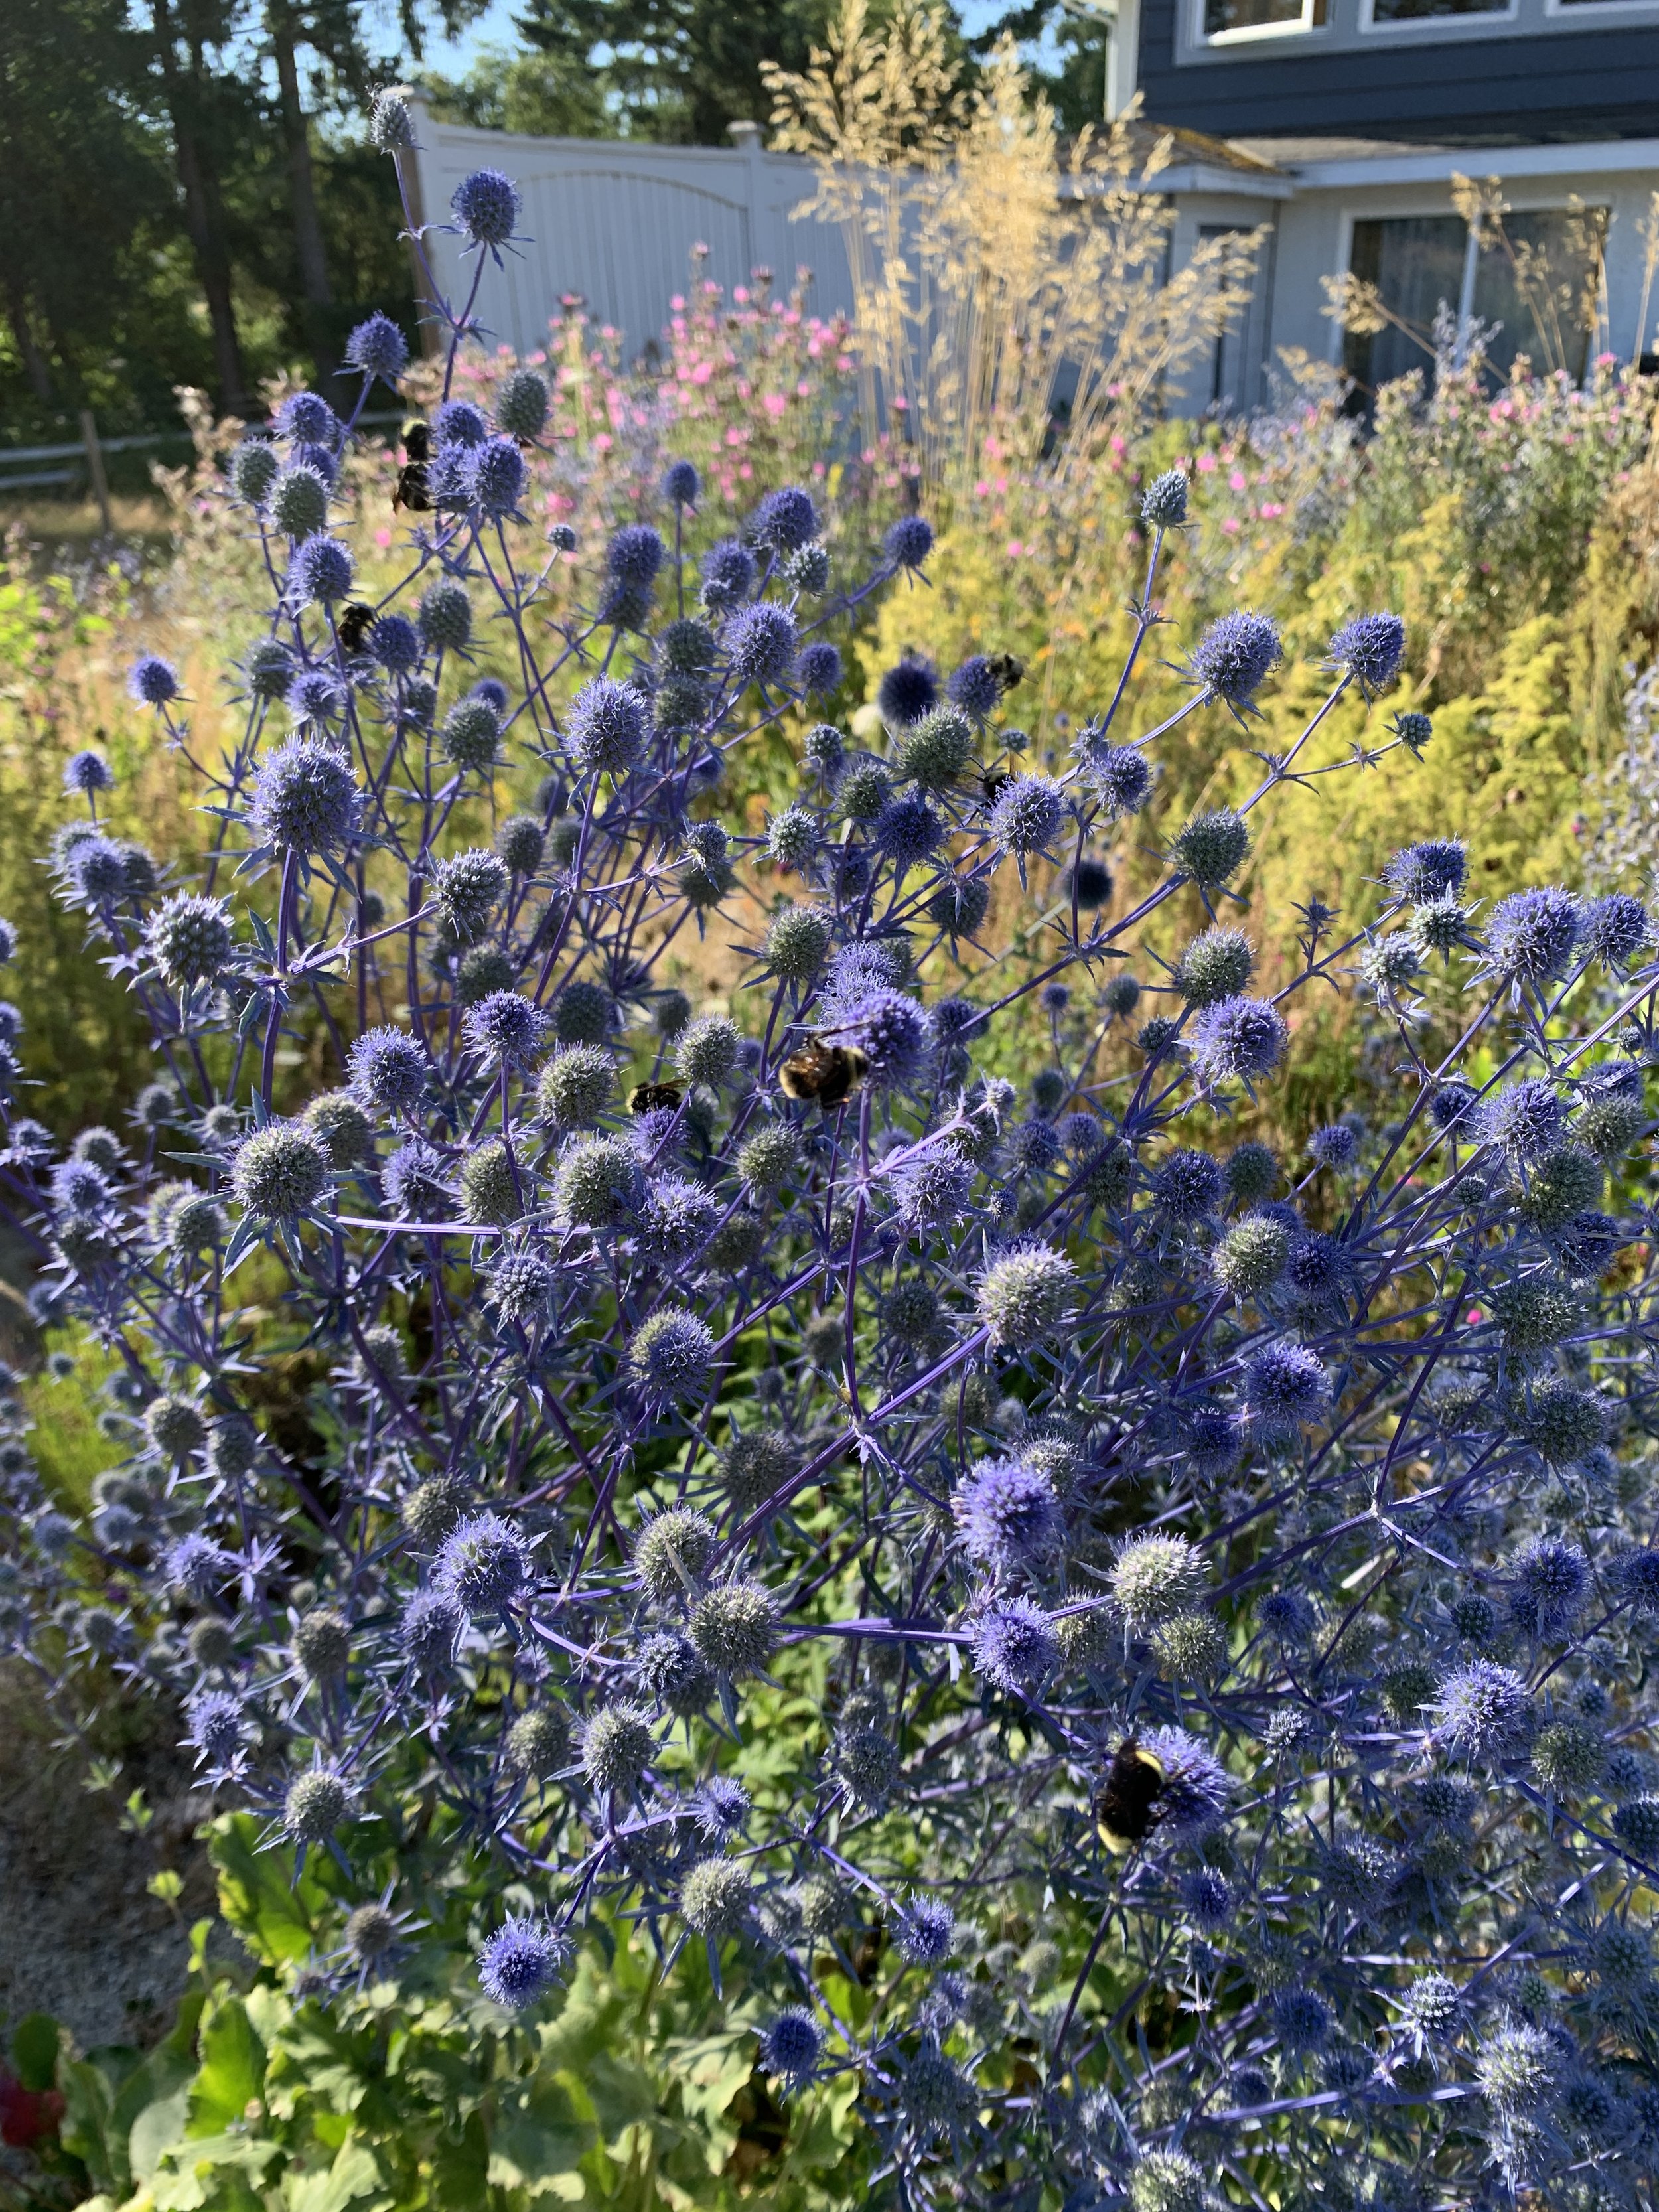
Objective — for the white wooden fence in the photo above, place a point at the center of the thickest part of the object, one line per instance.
(616, 222)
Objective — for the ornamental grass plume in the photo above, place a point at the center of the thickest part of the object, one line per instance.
(744, 1485)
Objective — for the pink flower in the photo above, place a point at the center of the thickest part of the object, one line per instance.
(383, 539)
(1237, 480)
(775, 404)
(1230, 525)
(602, 444)
(1207, 464)
(1015, 548)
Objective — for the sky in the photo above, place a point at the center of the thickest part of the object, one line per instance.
(452, 57)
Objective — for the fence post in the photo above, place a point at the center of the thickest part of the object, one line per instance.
(95, 469)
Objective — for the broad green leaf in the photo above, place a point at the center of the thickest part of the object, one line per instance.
(354, 2175)
(232, 2070)
(159, 2128)
(34, 2050)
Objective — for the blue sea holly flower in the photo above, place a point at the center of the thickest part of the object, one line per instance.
(1285, 1385)
(1014, 1647)
(1235, 657)
(790, 2048)
(760, 643)
(1008, 1515)
(485, 206)
(307, 419)
(785, 520)
(458, 422)
(483, 1566)
(909, 541)
(1371, 648)
(1531, 935)
(521, 1961)
(152, 681)
(909, 690)
(681, 483)
(498, 476)
(379, 349)
(729, 575)
(305, 798)
(322, 568)
(1239, 1039)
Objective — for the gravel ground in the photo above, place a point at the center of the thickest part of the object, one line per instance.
(80, 1935)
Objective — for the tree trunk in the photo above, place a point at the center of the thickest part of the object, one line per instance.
(303, 188)
(203, 216)
(36, 366)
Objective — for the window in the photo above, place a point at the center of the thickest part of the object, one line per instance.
(1421, 11)
(1530, 282)
(1413, 263)
(1236, 368)
(1539, 280)
(1260, 19)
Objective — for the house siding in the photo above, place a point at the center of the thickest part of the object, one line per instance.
(1438, 89)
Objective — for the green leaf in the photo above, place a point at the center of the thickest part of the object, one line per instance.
(159, 2128)
(460, 2170)
(355, 2174)
(538, 2141)
(34, 2050)
(232, 2070)
(257, 1895)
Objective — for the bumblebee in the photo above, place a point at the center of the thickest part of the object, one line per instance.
(1127, 1808)
(413, 491)
(828, 1073)
(993, 783)
(353, 626)
(1008, 669)
(652, 1097)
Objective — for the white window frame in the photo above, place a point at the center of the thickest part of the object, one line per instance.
(1567, 12)
(1440, 27)
(1248, 33)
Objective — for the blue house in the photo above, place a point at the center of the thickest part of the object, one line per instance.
(1343, 125)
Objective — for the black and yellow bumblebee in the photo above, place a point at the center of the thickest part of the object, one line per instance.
(828, 1073)
(1126, 1809)
(653, 1098)
(354, 626)
(993, 782)
(413, 491)
(1007, 667)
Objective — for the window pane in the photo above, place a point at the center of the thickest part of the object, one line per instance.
(1538, 279)
(1415, 264)
(1221, 16)
(1412, 11)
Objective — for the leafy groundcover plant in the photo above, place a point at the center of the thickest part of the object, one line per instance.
(828, 1625)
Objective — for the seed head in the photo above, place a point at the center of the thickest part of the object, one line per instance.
(280, 1171)
(315, 1806)
(716, 1897)
(618, 1747)
(669, 1356)
(1155, 1579)
(1212, 847)
(736, 1627)
(1026, 1296)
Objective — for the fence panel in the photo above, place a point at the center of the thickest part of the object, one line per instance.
(617, 223)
